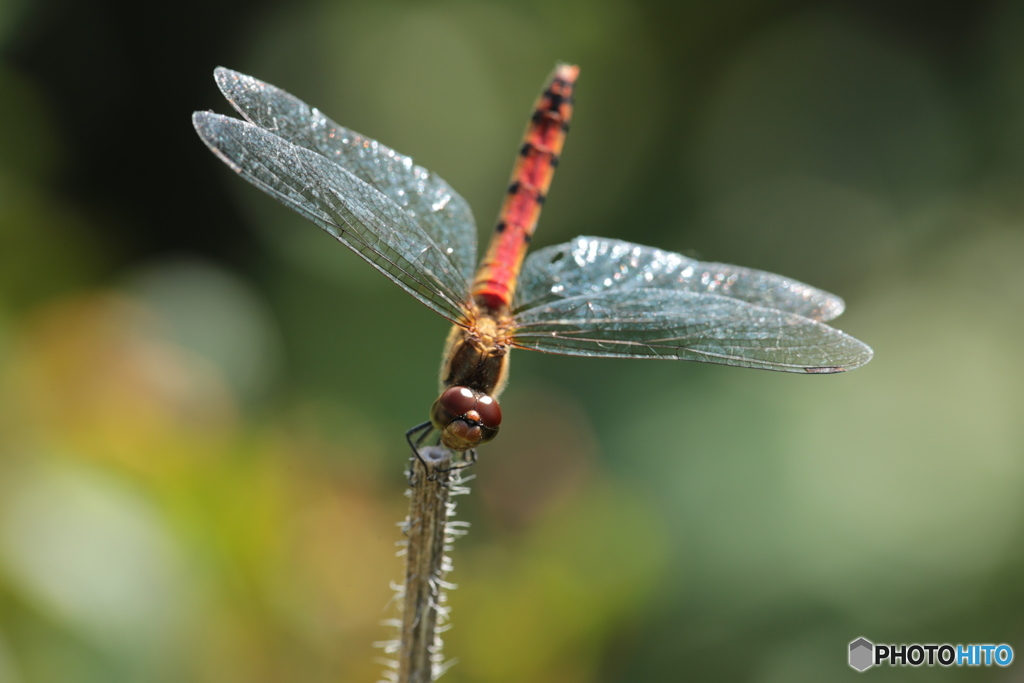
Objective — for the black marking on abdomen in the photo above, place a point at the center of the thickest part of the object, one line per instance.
(528, 147)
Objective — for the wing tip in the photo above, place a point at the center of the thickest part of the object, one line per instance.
(224, 75)
(831, 308)
(865, 356)
(213, 129)
(205, 121)
(227, 80)
(230, 82)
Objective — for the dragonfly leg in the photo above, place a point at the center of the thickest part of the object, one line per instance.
(470, 458)
(415, 438)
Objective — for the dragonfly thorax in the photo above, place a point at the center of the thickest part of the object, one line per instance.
(476, 357)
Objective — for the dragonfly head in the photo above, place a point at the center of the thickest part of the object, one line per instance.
(465, 418)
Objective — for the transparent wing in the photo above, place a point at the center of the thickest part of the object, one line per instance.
(359, 216)
(439, 210)
(594, 265)
(686, 325)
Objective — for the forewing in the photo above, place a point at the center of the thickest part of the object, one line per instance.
(686, 325)
(439, 210)
(358, 215)
(594, 265)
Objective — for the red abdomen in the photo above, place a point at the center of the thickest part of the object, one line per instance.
(495, 281)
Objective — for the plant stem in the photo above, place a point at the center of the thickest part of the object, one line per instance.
(430, 533)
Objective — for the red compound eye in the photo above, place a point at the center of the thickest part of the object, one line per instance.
(490, 412)
(457, 401)
(465, 418)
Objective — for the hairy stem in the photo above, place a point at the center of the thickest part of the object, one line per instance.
(430, 532)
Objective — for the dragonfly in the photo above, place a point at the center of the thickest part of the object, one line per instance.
(591, 296)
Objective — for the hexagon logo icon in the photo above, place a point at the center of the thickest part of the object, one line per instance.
(862, 654)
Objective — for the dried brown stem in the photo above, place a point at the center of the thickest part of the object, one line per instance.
(430, 533)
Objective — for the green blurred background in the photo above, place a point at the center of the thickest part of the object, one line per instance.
(202, 398)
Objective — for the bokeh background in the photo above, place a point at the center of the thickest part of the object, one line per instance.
(202, 398)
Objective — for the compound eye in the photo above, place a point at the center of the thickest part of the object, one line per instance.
(457, 401)
(489, 410)
(465, 418)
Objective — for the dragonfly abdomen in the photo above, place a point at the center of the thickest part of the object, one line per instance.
(495, 282)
